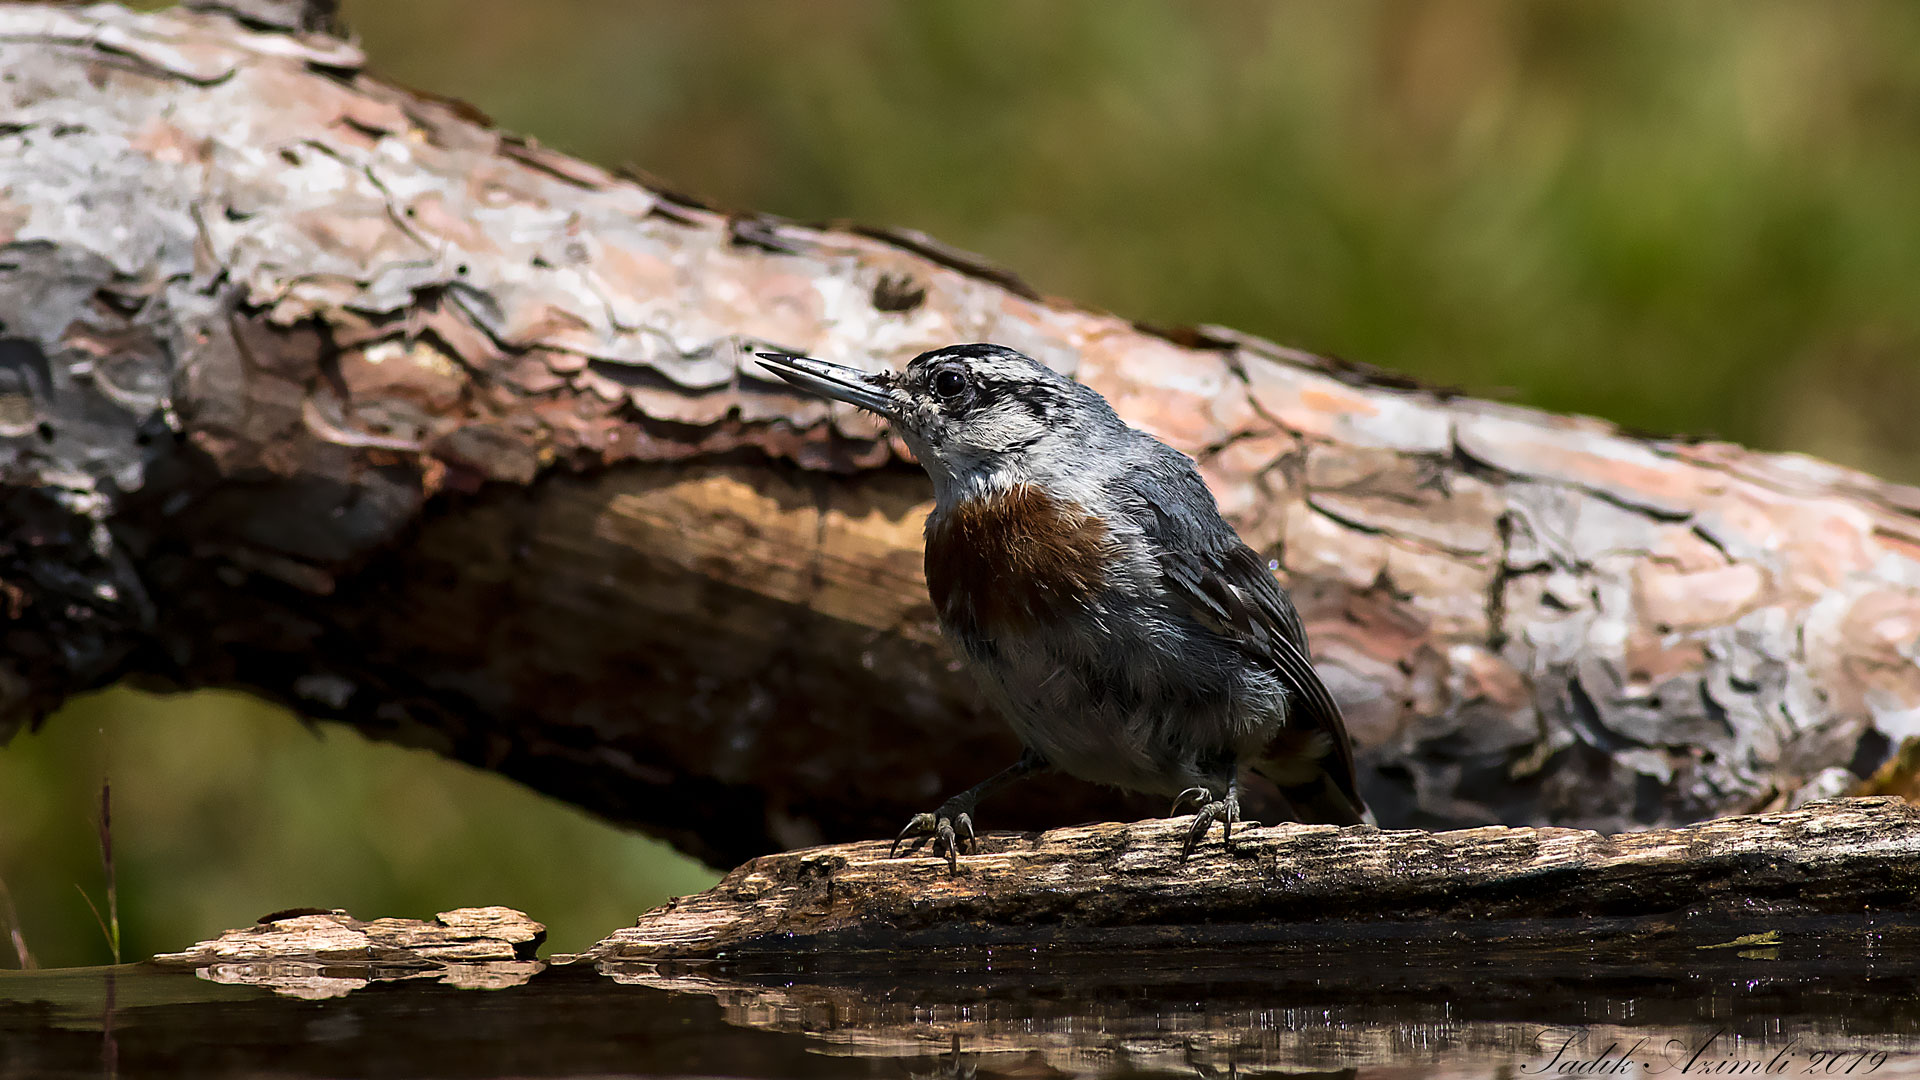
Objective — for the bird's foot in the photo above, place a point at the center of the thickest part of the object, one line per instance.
(948, 827)
(1224, 809)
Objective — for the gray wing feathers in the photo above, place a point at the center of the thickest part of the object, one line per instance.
(1230, 591)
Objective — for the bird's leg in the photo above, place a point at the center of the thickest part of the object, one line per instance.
(952, 824)
(1224, 809)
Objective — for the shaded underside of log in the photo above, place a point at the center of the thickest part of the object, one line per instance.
(1125, 885)
(329, 391)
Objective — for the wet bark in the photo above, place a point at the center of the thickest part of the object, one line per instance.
(1125, 886)
(325, 954)
(328, 390)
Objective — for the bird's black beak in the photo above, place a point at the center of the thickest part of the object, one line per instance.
(851, 385)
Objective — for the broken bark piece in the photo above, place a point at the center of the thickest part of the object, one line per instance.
(460, 936)
(333, 953)
(1122, 885)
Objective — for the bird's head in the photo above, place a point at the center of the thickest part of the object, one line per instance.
(974, 415)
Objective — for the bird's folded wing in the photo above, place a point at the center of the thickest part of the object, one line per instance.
(1233, 594)
(1226, 588)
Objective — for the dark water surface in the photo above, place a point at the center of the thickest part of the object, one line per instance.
(1832, 998)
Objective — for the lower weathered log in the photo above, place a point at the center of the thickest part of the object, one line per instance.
(1121, 885)
(1125, 885)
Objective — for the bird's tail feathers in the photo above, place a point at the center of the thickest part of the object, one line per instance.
(1315, 797)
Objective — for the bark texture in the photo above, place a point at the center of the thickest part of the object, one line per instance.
(1122, 885)
(324, 954)
(328, 390)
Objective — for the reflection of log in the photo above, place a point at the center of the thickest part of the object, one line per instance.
(1120, 885)
(1473, 1005)
(1468, 1009)
(323, 389)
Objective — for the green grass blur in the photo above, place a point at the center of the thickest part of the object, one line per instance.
(1694, 218)
(225, 809)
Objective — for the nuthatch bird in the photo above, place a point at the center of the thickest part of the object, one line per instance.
(1084, 572)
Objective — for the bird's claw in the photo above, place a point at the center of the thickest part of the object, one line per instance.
(948, 828)
(1225, 809)
(1198, 796)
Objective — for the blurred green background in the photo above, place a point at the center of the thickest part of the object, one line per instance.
(1699, 218)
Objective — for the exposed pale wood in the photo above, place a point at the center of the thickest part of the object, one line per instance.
(1119, 885)
(326, 390)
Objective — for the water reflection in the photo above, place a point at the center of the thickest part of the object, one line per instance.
(317, 981)
(1830, 1000)
(1825, 1001)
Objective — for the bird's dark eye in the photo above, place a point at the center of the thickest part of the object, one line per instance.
(949, 384)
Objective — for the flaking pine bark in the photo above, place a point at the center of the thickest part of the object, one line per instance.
(330, 391)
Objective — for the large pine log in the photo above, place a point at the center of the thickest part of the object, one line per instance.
(327, 390)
